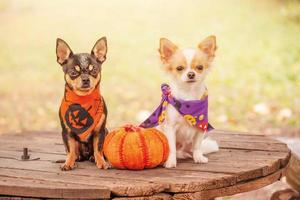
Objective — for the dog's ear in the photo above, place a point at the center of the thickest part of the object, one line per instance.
(63, 51)
(208, 46)
(166, 49)
(100, 49)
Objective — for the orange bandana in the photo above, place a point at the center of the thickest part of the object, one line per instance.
(81, 114)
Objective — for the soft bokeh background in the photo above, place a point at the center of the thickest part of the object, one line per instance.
(254, 86)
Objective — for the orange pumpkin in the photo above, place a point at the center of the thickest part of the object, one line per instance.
(131, 147)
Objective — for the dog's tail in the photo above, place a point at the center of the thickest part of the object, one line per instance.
(209, 146)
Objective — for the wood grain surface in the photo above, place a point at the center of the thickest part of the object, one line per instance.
(245, 162)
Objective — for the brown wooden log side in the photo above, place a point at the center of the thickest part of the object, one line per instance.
(159, 196)
(235, 189)
(245, 162)
(48, 189)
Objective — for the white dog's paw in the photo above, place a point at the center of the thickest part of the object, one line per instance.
(199, 157)
(171, 161)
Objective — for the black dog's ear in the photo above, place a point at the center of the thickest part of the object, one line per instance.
(100, 49)
(63, 51)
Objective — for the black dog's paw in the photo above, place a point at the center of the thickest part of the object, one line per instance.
(68, 167)
(92, 159)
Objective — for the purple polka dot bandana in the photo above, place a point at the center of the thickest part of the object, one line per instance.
(195, 112)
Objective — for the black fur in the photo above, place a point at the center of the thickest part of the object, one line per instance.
(103, 130)
(64, 133)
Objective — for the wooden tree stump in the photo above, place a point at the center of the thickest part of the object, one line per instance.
(293, 173)
(245, 162)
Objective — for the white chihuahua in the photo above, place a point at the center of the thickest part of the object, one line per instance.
(188, 68)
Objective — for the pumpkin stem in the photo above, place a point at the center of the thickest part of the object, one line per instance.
(131, 128)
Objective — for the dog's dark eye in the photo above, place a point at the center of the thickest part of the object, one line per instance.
(179, 68)
(199, 67)
(94, 71)
(73, 73)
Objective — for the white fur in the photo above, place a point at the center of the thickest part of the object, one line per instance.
(209, 146)
(190, 141)
(189, 54)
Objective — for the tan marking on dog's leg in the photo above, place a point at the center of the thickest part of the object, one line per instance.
(78, 149)
(71, 156)
(98, 155)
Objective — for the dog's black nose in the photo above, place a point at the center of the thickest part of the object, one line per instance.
(86, 82)
(191, 75)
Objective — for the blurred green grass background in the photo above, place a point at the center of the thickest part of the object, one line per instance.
(254, 85)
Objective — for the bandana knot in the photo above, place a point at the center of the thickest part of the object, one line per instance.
(165, 89)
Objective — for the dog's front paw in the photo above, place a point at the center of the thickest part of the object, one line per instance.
(103, 165)
(199, 157)
(171, 161)
(67, 166)
(100, 162)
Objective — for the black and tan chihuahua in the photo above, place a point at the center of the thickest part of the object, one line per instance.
(83, 111)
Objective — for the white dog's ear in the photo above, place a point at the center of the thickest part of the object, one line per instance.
(100, 49)
(63, 51)
(208, 46)
(166, 49)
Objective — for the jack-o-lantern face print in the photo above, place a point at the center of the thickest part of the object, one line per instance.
(78, 118)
